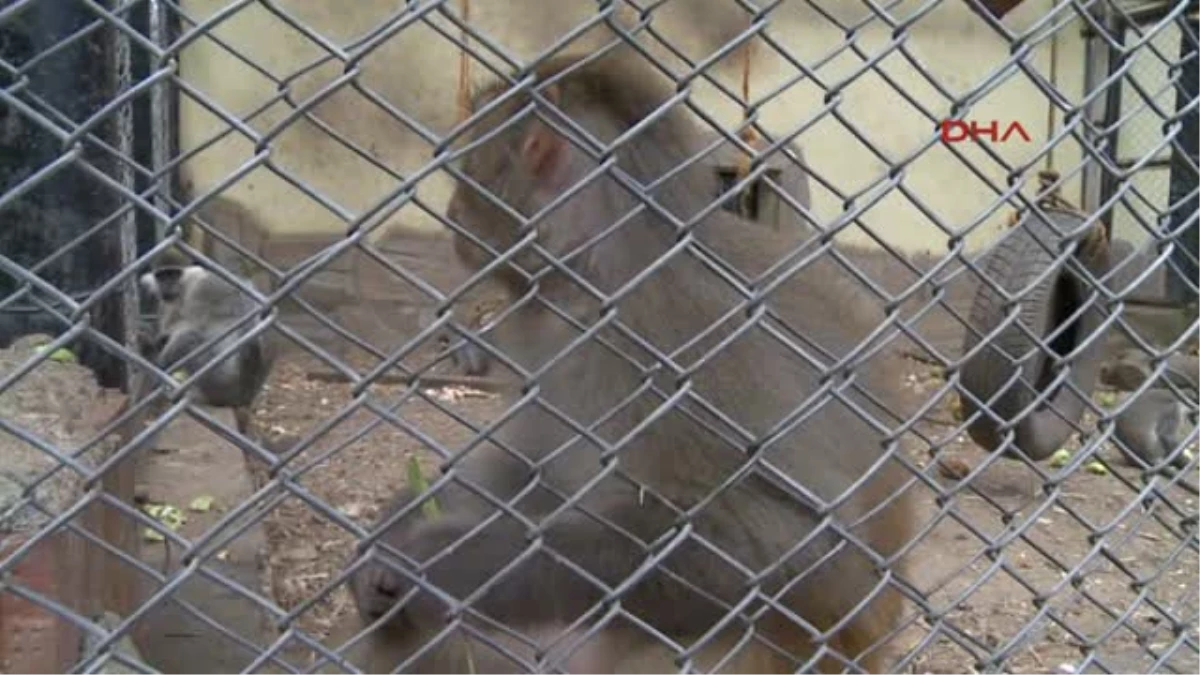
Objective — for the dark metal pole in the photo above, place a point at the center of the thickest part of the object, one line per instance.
(71, 74)
(1181, 280)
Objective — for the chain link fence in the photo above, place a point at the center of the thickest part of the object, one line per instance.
(812, 336)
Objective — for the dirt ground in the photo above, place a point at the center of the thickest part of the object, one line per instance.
(1073, 575)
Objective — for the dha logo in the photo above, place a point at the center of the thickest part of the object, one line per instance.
(957, 131)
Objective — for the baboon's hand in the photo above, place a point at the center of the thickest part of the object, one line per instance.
(383, 582)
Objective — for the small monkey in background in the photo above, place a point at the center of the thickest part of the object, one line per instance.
(736, 496)
(195, 306)
(1153, 427)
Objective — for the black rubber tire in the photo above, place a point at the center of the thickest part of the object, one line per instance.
(1014, 264)
(1119, 250)
(1123, 259)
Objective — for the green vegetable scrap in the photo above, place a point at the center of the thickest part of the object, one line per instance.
(956, 409)
(201, 504)
(416, 481)
(60, 355)
(1060, 458)
(166, 514)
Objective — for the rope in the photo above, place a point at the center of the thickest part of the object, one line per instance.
(1048, 198)
(749, 135)
(1093, 243)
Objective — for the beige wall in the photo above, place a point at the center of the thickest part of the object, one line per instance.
(416, 71)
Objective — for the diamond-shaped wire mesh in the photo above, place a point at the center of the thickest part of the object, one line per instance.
(461, 336)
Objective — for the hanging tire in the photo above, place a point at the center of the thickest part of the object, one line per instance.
(1123, 259)
(1013, 376)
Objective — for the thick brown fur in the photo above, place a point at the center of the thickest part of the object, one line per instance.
(738, 498)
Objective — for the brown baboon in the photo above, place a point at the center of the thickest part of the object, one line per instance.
(698, 469)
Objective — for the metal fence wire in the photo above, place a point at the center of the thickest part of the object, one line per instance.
(648, 335)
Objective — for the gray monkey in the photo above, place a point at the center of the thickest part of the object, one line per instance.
(1153, 426)
(194, 307)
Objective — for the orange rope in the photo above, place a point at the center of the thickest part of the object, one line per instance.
(748, 134)
(464, 67)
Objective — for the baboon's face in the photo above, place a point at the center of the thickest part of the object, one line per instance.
(165, 286)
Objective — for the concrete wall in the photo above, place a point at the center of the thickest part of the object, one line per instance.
(415, 71)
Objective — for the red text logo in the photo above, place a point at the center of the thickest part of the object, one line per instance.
(957, 131)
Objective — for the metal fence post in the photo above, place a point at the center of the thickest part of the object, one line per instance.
(1185, 156)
